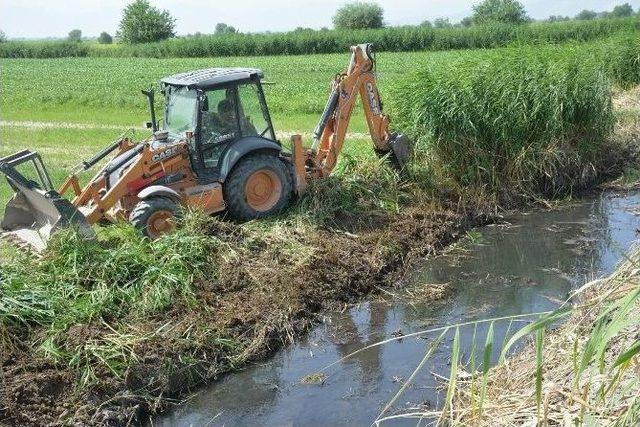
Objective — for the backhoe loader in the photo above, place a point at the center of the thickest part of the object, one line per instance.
(216, 150)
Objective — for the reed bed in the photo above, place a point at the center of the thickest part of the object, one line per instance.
(523, 121)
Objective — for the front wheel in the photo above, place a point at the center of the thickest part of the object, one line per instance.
(155, 216)
(259, 185)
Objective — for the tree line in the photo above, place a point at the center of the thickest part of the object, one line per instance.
(144, 23)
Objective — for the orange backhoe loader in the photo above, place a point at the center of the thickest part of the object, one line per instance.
(216, 151)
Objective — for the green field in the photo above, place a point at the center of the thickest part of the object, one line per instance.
(107, 90)
(81, 104)
(304, 42)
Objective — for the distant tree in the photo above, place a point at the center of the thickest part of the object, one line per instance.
(75, 35)
(105, 38)
(357, 15)
(622, 11)
(143, 23)
(586, 15)
(442, 23)
(324, 29)
(302, 29)
(558, 18)
(3, 37)
(507, 11)
(466, 22)
(222, 28)
(426, 23)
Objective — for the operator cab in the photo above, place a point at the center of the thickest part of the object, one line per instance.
(221, 112)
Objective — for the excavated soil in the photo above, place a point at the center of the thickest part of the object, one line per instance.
(265, 293)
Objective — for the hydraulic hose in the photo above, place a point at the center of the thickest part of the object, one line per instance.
(329, 109)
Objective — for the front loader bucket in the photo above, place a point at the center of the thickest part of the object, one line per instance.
(36, 211)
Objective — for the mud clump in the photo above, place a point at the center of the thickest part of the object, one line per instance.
(34, 393)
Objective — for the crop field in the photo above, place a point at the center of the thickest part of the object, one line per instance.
(99, 316)
(107, 90)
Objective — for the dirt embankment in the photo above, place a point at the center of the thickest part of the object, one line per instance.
(268, 288)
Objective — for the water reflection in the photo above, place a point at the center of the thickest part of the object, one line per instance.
(527, 267)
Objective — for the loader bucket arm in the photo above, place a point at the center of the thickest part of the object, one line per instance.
(36, 210)
(329, 135)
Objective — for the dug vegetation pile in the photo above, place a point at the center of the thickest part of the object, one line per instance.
(106, 331)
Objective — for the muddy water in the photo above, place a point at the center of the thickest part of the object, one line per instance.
(526, 265)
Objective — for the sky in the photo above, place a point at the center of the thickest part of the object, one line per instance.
(55, 18)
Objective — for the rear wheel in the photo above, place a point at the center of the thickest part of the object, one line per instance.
(155, 216)
(259, 185)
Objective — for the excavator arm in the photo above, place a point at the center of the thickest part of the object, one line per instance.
(330, 133)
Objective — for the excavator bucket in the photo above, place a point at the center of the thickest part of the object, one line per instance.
(401, 150)
(36, 210)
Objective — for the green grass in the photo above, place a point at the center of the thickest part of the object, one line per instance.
(121, 276)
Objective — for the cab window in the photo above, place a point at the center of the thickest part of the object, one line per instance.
(219, 124)
(219, 120)
(253, 115)
(180, 111)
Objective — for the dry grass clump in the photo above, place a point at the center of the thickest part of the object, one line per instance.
(586, 372)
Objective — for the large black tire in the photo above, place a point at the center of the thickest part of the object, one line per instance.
(155, 216)
(247, 191)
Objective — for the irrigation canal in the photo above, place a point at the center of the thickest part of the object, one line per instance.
(530, 263)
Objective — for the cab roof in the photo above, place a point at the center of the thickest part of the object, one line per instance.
(211, 77)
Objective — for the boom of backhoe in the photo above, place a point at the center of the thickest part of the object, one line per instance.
(329, 136)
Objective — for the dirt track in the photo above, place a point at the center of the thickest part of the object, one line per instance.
(28, 124)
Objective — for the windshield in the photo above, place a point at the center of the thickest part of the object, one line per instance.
(181, 111)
